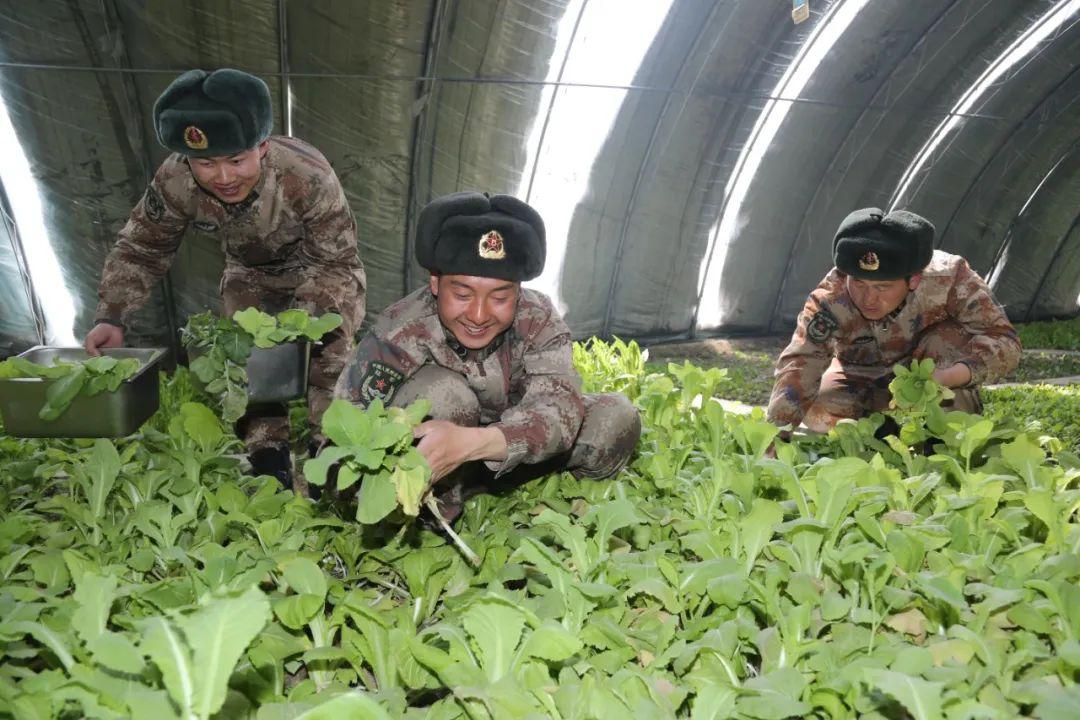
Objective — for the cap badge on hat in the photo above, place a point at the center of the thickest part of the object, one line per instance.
(491, 246)
(195, 138)
(869, 261)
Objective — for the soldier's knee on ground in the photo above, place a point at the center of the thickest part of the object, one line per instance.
(835, 402)
(609, 433)
(450, 395)
(846, 393)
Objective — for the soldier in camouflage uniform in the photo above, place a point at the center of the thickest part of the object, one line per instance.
(493, 358)
(891, 298)
(280, 212)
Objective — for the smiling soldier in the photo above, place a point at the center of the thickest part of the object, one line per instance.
(280, 213)
(890, 298)
(493, 358)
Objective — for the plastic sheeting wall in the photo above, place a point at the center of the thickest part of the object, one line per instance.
(692, 157)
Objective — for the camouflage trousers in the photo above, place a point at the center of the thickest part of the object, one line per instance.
(854, 391)
(604, 444)
(267, 425)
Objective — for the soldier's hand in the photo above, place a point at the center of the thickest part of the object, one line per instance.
(446, 446)
(956, 375)
(103, 335)
(441, 444)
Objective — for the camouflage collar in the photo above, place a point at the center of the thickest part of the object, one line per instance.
(899, 308)
(479, 355)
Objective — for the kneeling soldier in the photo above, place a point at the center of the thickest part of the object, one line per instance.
(493, 358)
(890, 298)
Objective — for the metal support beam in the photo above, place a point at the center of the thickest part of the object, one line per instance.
(1006, 239)
(424, 88)
(283, 57)
(551, 105)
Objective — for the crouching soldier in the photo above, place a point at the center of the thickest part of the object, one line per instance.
(493, 358)
(889, 299)
(280, 214)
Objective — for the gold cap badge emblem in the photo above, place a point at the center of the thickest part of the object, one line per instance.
(195, 138)
(869, 261)
(491, 246)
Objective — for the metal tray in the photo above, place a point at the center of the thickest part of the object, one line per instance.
(277, 374)
(108, 414)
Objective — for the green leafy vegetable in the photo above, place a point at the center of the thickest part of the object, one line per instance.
(848, 577)
(374, 447)
(220, 348)
(70, 380)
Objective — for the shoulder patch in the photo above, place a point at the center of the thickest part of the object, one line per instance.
(821, 326)
(380, 381)
(154, 205)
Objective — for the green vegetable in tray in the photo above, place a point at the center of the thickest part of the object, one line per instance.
(88, 378)
(226, 346)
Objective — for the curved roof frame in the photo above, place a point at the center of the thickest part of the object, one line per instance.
(551, 101)
(745, 156)
(732, 129)
(789, 260)
(1005, 141)
(646, 162)
(1058, 248)
(1006, 239)
(424, 89)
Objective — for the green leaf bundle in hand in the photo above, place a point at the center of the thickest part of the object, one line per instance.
(915, 389)
(224, 348)
(917, 397)
(374, 447)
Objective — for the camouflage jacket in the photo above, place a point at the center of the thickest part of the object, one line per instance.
(525, 379)
(295, 230)
(830, 326)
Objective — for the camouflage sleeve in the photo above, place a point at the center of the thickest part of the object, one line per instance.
(144, 250)
(802, 362)
(994, 349)
(333, 276)
(376, 370)
(547, 419)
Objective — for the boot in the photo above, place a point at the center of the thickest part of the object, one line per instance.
(273, 461)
